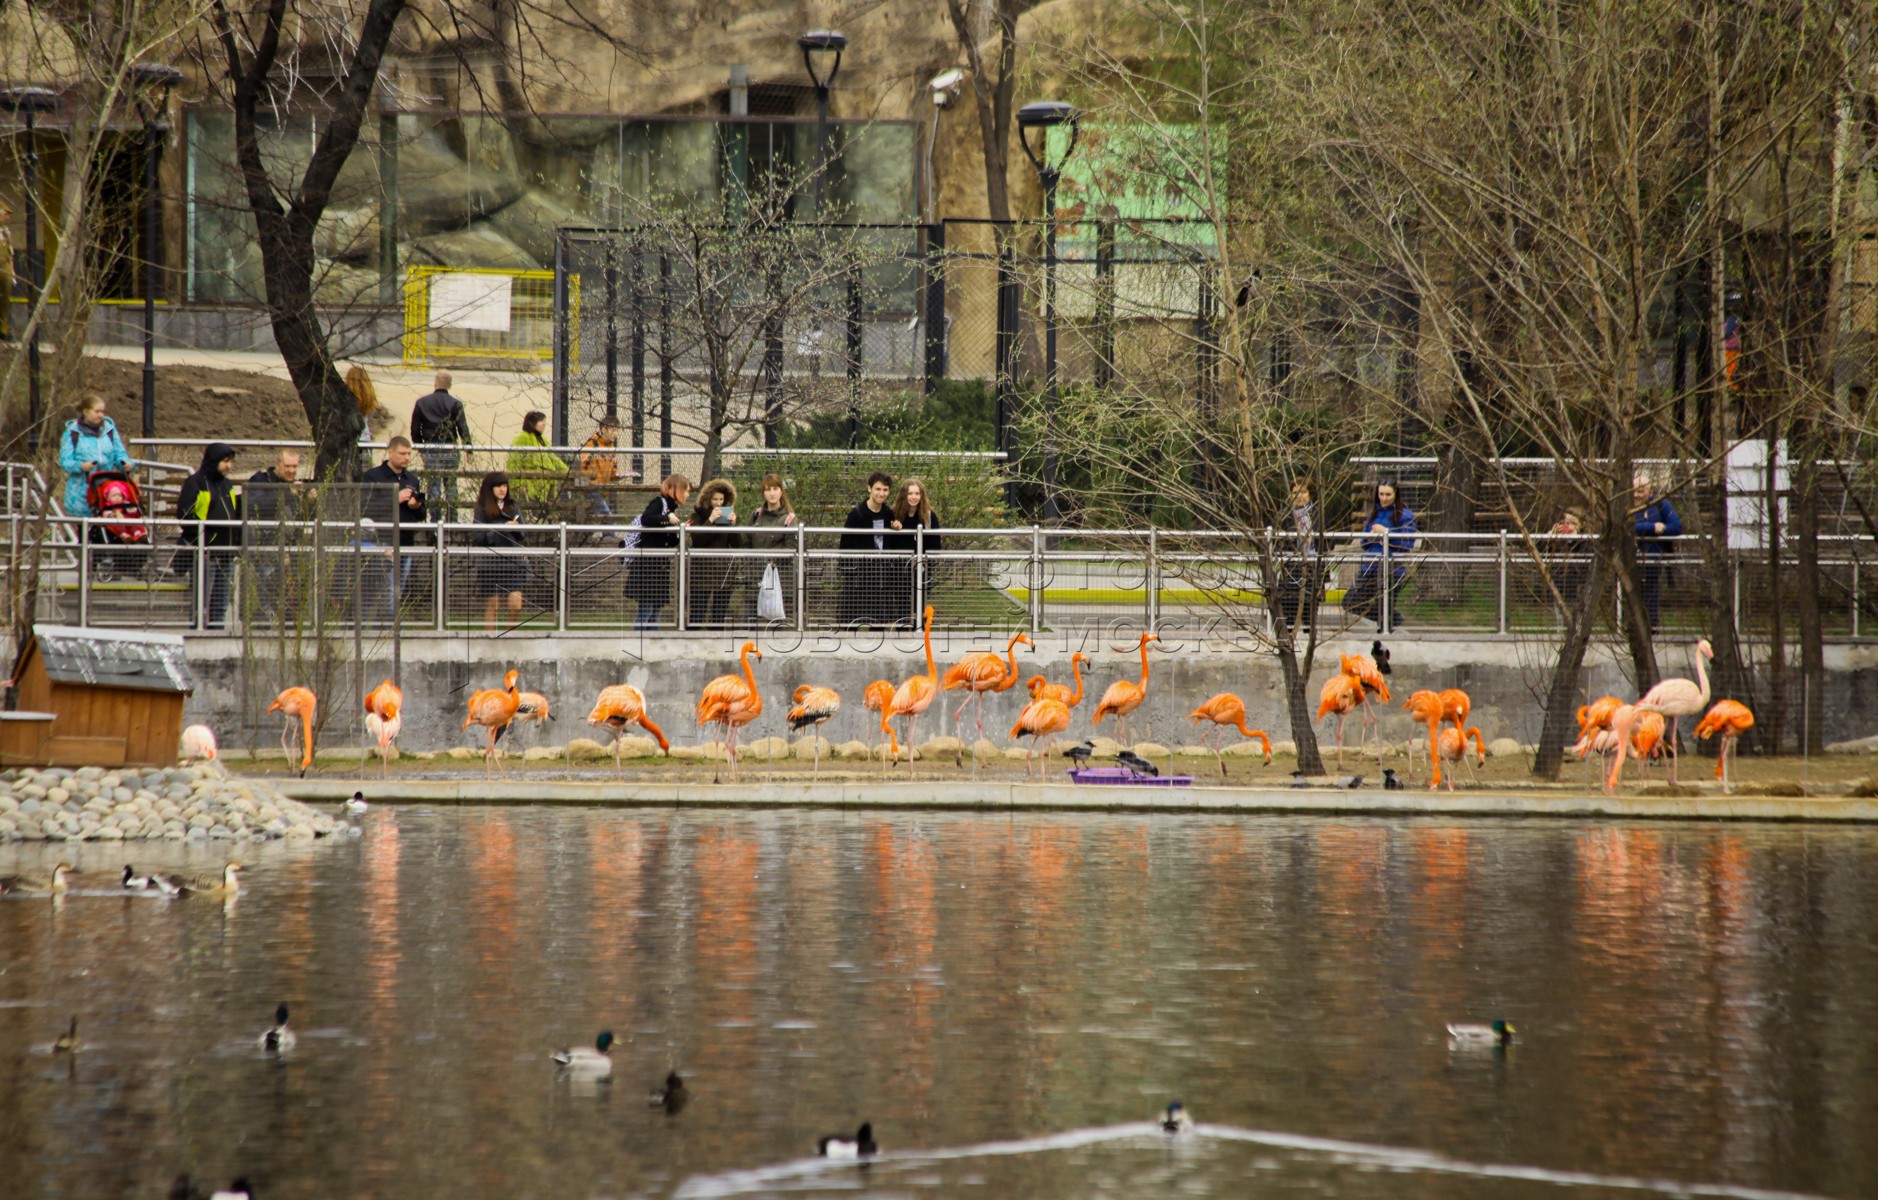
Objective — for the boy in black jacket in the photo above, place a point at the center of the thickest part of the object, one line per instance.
(212, 501)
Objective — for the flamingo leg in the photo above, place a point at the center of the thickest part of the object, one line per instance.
(1216, 737)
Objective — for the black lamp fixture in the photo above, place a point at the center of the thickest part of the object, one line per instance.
(27, 103)
(153, 83)
(1042, 116)
(817, 45)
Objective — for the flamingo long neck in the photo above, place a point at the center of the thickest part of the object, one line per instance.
(1144, 664)
(646, 724)
(1075, 668)
(932, 668)
(1701, 674)
(1238, 719)
(749, 676)
(1010, 672)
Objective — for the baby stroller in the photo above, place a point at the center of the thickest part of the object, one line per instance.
(116, 497)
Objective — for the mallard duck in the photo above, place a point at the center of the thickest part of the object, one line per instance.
(37, 885)
(356, 806)
(184, 1189)
(837, 1145)
(1176, 1120)
(67, 1042)
(1497, 1034)
(673, 1096)
(597, 1061)
(279, 1039)
(201, 885)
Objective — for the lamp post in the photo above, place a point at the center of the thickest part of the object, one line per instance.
(1042, 115)
(153, 82)
(821, 42)
(30, 102)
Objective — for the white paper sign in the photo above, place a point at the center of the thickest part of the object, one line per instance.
(470, 300)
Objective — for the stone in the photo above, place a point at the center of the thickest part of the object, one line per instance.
(1285, 749)
(1018, 753)
(767, 749)
(463, 753)
(852, 751)
(476, 245)
(1864, 745)
(986, 748)
(542, 754)
(691, 753)
(944, 746)
(530, 223)
(1150, 750)
(110, 833)
(1245, 749)
(1193, 752)
(588, 750)
(806, 749)
(1505, 747)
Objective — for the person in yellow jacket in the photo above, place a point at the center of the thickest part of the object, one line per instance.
(531, 455)
(212, 500)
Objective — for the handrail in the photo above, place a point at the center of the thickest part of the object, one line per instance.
(505, 447)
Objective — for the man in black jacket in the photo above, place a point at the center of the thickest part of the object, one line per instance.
(438, 420)
(862, 599)
(274, 494)
(210, 506)
(395, 494)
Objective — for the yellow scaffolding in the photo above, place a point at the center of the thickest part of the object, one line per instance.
(483, 312)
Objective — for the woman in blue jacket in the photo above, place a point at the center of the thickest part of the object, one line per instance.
(1389, 521)
(89, 443)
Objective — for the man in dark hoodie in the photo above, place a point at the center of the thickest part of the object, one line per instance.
(210, 506)
(396, 494)
(437, 420)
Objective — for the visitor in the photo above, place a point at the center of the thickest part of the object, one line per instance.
(395, 495)
(209, 505)
(1656, 528)
(274, 494)
(649, 577)
(1390, 524)
(1294, 600)
(862, 599)
(90, 443)
(1567, 558)
(778, 515)
(709, 578)
(537, 470)
(439, 424)
(907, 585)
(599, 469)
(498, 574)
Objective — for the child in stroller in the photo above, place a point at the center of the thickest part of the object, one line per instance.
(115, 496)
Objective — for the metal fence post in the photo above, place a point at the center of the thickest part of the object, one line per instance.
(1503, 588)
(684, 578)
(1151, 579)
(1855, 595)
(802, 577)
(443, 611)
(561, 584)
(562, 319)
(1387, 582)
(1036, 579)
(919, 571)
(84, 568)
(935, 305)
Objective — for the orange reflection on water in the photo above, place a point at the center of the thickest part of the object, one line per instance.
(726, 961)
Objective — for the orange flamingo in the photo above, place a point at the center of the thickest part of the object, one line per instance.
(1123, 697)
(911, 699)
(814, 706)
(1040, 719)
(979, 673)
(493, 709)
(533, 707)
(1678, 698)
(383, 706)
(1594, 729)
(1597, 714)
(1453, 748)
(1339, 697)
(1223, 710)
(1623, 724)
(1731, 719)
(1368, 676)
(1646, 738)
(1425, 707)
(619, 706)
(875, 698)
(1039, 689)
(733, 702)
(297, 703)
(1455, 705)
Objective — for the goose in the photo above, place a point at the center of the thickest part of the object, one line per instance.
(837, 1145)
(1497, 1034)
(356, 806)
(67, 1042)
(279, 1039)
(597, 1061)
(36, 885)
(672, 1096)
(201, 885)
(1176, 1120)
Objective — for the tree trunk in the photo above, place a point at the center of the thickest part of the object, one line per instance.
(1562, 695)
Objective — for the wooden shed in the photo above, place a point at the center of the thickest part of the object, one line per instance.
(115, 698)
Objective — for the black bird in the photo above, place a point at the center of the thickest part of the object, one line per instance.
(840, 1145)
(1080, 755)
(1348, 781)
(1389, 782)
(1134, 762)
(673, 1096)
(1298, 780)
(1378, 652)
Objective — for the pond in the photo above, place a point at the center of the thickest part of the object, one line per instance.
(1008, 999)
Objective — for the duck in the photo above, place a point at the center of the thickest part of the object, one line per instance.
(861, 1145)
(67, 1042)
(185, 1189)
(356, 806)
(597, 1061)
(1176, 1120)
(36, 885)
(201, 885)
(279, 1039)
(672, 1096)
(1499, 1033)
(135, 882)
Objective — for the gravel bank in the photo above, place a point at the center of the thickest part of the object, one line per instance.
(126, 804)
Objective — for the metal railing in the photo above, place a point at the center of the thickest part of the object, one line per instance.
(579, 578)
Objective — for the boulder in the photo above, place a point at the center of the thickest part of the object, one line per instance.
(852, 751)
(476, 245)
(530, 223)
(765, 749)
(438, 190)
(543, 754)
(805, 749)
(941, 747)
(589, 750)
(1147, 750)
(1505, 747)
(1246, 749)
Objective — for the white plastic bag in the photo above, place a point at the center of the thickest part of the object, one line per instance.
(769, 596)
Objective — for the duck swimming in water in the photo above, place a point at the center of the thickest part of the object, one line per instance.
(1176, 1120)
(673, 1096)
(597, 1061)
(279, 1039)
(67, 1042)
(861, 1145)
(1497, 1034)
(37, 885)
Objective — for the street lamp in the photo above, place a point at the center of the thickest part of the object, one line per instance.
(153, 82)
(1042, 115)
(31, 101)
(821, 42)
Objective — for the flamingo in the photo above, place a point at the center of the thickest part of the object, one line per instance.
(911, 699)
(875, 698)
(1455, 705)
(1678, 698)
(199, 742)
(533, 707)
(979, 673)
(1453, 748)
(1425, 707)
(1646, 738)
(1363, 669)
(814, 706)
(1039, 719)
(1223, 710)
(621, 705)
(1040, 690)
(301, 703)
(494, 709)
(1731, 719)
(733, 702)
(382, 720)
(1623, 724)
(1339, 697)
(1123, 697)
(1594, 728)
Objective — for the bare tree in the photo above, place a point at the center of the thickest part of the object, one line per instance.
(987, 34)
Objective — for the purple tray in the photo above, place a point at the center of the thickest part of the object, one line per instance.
(1124, 776)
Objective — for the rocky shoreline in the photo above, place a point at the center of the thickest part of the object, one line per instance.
(146, 804)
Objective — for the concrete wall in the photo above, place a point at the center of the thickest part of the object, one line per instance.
(439, 673)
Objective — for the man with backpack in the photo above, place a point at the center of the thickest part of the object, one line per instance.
(438, 421)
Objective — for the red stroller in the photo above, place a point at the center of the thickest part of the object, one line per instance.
(116, 497)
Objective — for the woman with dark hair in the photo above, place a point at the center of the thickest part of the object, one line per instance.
(714, 518)
(498, 574)
(532, 457)
(649, 579)
(1390, 524)
(912, 510)
(775, 513)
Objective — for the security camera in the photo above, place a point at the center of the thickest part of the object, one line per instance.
(945, 86)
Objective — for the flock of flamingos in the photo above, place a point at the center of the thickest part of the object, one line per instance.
(1609, 728)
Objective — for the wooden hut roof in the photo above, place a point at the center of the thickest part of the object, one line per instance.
(124, 658)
